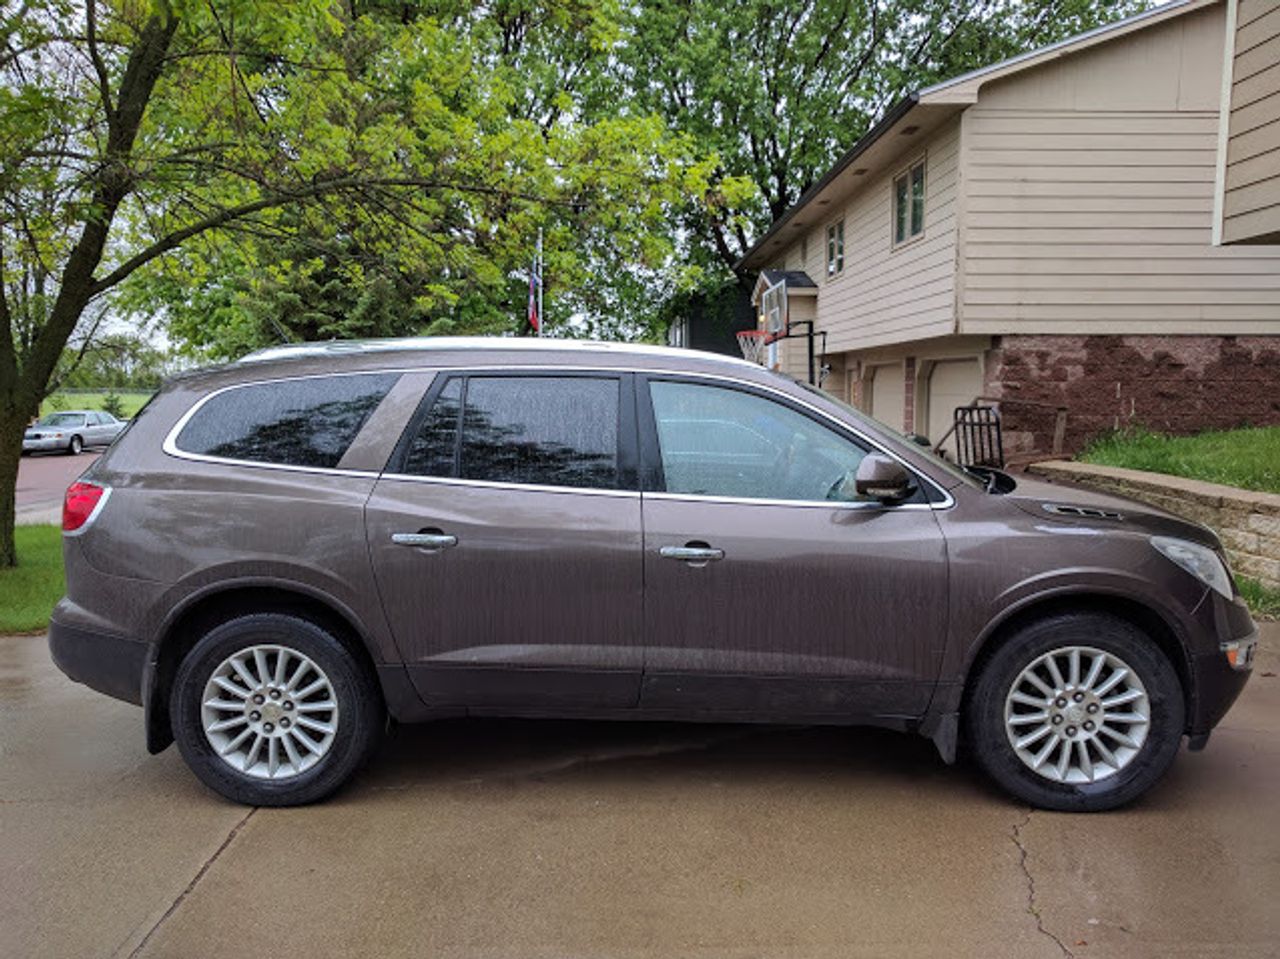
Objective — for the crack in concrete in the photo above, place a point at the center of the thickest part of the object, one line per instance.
(195, 881)
(1032, 908)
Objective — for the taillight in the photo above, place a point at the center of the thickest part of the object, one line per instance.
(80, 503)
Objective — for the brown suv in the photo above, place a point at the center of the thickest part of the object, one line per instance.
(278, 553)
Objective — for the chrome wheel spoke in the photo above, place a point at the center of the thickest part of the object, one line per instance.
(1086, 727)
(1095, 670)
(1121, 698)
(1026, 700)
(227, 686)
(1086, 764)
(1107, 755)
(243, 672)
(1039, 684)
(1051, 663)
(1034, 737)
(1041, 756)
(1116, 677)
(1026, 719)
(1125, 718)
(320, 707)
(252, 716)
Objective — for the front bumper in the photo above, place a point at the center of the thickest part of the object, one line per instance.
(45, 444)
(102, 661)
(1217, 682)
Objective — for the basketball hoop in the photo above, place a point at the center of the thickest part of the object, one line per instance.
(754, 345)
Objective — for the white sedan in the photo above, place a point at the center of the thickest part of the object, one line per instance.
(72, 431)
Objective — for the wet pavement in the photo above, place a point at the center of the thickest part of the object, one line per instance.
(42, 479)
(557, 839)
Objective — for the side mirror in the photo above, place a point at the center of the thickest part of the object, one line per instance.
(883, 478)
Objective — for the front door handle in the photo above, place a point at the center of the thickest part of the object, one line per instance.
(696, 554)
(427, 539)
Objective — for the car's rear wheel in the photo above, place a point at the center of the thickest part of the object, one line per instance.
(272, 710)
(75, 446)
(1078, 711)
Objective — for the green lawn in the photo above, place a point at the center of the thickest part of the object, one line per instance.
(1247, 458)
(132, 402)
(1264, 601)
(29, 591)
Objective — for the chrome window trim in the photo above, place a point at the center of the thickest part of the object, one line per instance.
(803, 503)
(496, 484)
(170, 443)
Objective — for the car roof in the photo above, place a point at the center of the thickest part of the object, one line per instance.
(70, 413)
(352, 356)
(437, 344)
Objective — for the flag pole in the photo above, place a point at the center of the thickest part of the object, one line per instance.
(542, 323)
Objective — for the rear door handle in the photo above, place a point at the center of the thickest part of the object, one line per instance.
(425, 540)
(694, 555)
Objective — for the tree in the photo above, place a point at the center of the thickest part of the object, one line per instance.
(778, 89)
(156, 135)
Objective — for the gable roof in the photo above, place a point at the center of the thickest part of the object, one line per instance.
(952, 96)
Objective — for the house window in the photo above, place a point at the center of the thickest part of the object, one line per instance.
(908, 204)
(835, 248)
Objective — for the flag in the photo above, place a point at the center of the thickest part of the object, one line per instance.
(535, 321)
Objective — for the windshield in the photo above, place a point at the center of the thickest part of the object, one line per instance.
(943, 464)
(62, 419)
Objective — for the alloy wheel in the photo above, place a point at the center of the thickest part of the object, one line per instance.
(269, 712)
(1077, 715)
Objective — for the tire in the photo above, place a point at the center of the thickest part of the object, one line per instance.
(75, 446)
(1153, 698)
(357, 719)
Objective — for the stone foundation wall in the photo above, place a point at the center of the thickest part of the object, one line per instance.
(1247, 522)
(1172, 384)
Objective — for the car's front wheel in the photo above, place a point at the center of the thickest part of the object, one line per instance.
(75, 446)
(272, 710)
(1078, 712)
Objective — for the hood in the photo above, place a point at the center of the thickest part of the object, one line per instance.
(1078, 505)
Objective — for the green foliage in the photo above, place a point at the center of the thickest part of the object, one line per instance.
(1264, 602)
(29, 591)
(778, 89)
(1247, 458)
(113, 404)
(117, 360)
(130, 402)
(469, 129)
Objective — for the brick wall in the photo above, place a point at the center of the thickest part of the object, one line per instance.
(1247, 522)
(1173, 384)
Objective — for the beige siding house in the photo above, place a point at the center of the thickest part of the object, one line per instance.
(1248, 209)
(1042, 232)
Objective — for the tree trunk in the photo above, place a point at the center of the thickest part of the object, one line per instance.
(12, 424)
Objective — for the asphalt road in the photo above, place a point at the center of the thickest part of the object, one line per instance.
(43, 478)
(510, 839)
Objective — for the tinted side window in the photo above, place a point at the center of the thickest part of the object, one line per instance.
(724, 442)
(305, 422)
(434, 449)
(543, 430)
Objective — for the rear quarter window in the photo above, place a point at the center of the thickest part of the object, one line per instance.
(302, 422)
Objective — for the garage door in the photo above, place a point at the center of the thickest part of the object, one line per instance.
(887, 394)
(952, 383)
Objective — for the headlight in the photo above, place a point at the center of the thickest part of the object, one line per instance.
(1200, 561)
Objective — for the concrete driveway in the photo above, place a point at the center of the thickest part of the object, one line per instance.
(522, 839)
